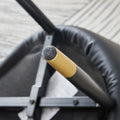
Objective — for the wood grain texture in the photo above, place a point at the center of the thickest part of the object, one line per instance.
(99, 16)
(16, 24)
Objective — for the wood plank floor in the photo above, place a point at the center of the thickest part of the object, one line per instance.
(16, 24)
(100, 16)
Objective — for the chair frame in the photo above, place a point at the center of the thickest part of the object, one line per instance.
(36, 97)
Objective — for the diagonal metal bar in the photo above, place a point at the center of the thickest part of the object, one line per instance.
(37, 15)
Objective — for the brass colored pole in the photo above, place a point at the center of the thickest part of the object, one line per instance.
(76, 76)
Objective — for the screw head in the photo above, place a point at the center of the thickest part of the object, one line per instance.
(32, 101)
(75, 102)
(97, 105)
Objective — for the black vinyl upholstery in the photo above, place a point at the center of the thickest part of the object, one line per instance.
(98, 56)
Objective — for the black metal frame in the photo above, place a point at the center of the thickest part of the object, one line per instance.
(31, 102)
(37, 15)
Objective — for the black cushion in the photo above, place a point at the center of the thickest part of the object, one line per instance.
(104, 54)
(98, 56)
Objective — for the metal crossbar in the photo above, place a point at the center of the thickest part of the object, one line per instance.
(49, 102)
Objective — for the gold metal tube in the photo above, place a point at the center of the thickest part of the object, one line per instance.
(76, 76)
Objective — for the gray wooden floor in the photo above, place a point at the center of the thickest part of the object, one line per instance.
(100, 16)
(16, 24)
